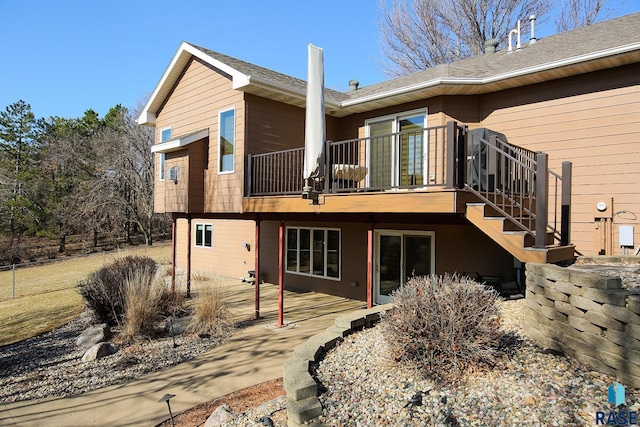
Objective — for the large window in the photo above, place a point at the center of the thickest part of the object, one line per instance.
(165, 135)
(313, 251)
(204, 234)
(226, 140)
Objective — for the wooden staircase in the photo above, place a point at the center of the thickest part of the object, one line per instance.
(518, 243)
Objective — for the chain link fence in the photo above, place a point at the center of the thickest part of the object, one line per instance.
(36, 278)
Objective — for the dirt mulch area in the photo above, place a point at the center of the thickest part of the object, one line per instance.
(238, 401)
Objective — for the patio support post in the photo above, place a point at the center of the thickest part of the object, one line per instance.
(542, 198)
(173, 253)
(370, 266)
(451, 154)
(565, 212)
(188, 256)
(281, 275)
(257, 269)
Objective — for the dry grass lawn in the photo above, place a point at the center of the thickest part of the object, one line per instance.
(46, 296)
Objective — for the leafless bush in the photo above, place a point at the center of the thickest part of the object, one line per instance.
(443, 326)
(103, 289)
(211, 313)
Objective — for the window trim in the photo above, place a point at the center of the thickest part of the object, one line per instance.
(325, 251)
(203, 231)
(233, 163)
(162, 130)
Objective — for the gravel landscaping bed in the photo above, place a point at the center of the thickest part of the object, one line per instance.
(50, 365)
(531, 387)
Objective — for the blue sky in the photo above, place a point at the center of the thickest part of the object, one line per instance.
(64, 57)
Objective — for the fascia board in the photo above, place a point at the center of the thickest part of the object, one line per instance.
(282, 89)
(178, 143)
(453, 81)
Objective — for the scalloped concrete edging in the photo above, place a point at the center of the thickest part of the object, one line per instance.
(302, 390)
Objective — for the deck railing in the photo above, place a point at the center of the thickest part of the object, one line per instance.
(276, 173)
(513, 180)
(519, 185)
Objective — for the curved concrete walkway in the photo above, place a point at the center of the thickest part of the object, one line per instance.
(253, 355)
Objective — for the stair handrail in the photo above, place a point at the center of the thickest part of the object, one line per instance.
(513, 179)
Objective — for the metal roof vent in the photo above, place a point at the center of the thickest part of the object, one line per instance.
(490, 46)
(353, 85)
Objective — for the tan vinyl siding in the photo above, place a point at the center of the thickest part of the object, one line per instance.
(176, 194)
(227, 256)
(158, 188)
(197, 99)
(593, 122)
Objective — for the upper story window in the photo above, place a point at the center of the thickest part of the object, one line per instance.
(226, 140)
(165, 135)
(204, 235)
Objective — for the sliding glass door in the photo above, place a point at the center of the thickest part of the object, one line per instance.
(397, 153)
(399, 256)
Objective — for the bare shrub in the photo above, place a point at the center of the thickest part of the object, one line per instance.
(103, 291)
(211, 314)
(143, 298)
(199, 277)
(443, 326)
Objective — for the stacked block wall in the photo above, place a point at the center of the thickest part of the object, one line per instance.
(586, 316)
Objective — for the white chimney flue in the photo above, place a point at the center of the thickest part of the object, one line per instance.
(532, 20)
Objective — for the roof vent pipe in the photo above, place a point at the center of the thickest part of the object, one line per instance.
(532, 20)
(518, 44)
(490, 46)
(353, 85)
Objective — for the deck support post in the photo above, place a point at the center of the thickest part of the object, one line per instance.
(370, 266)
(188, 256)
(173, 253)
(461, 158)
(542, 199)
(256, 275)
(281, 275)
(451, 143)
(565, 212)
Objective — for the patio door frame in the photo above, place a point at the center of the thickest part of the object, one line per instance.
(378, 298)
(396, 166)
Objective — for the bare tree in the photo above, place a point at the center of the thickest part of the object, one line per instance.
(419, 34)
(579, 13)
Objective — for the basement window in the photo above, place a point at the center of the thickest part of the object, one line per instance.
(314, 252)
(204, 235)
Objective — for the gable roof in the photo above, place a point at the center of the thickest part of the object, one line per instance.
(605, 45)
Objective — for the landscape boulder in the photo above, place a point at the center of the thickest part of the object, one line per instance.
(93, 335)
(223, 414)
(179, 324)
(99, 350)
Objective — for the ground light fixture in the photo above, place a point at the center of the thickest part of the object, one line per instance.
(167, 398)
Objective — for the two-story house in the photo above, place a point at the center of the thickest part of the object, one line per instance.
(527, 154)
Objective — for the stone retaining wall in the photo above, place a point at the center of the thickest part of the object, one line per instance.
(301, 388)
(586, 316)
